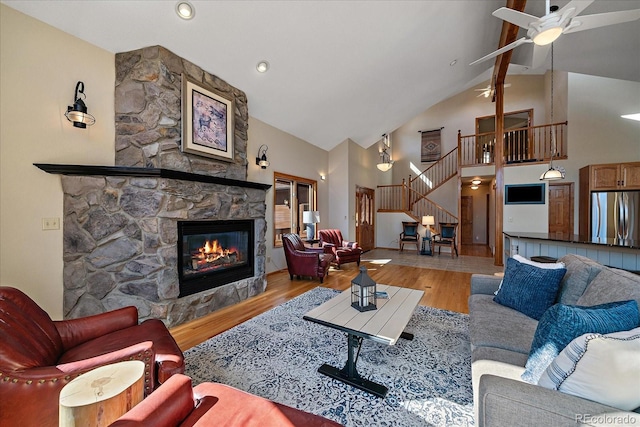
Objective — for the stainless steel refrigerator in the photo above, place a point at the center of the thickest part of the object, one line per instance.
(615, 215)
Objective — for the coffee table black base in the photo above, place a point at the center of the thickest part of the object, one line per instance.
(355, 381)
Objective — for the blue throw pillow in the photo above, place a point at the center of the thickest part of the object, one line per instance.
(529, 289)
(561, 324)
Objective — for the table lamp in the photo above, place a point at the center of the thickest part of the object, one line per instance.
(311, 218)
(428, 221)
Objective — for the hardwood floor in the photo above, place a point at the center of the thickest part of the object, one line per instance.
(476, 250)
(448, 290)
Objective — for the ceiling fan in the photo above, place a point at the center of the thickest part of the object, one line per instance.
(545, 30)
(488, 91)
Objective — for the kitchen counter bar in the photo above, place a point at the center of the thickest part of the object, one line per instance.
(574, 238)
(614, 253)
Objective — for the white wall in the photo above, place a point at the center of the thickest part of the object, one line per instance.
(293, 156)
(597, 133)
(39, 70)
(389, 227)
(339, 164)
(526, 218)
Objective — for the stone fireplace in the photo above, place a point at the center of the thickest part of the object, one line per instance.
(124, 225)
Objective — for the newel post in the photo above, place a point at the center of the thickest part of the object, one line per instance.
(403, 203)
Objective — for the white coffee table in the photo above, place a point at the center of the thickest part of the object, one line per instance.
(385, 325)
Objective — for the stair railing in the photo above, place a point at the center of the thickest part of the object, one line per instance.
(435, 175)
(523, 145)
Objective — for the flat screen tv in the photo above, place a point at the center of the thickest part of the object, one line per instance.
(524, 194)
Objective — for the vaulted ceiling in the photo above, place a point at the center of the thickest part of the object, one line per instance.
(340, 69)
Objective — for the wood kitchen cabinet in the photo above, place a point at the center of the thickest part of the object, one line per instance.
(607, 177)
(615, 176)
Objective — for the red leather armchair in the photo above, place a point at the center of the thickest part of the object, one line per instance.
(303, 261)
(175, 403)
(342, 250)
(39, 356)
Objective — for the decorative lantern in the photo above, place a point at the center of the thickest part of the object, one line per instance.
(363, 292)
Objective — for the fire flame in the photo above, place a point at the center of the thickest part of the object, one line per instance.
(211, 251)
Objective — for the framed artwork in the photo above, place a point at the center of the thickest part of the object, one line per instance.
(207, 122)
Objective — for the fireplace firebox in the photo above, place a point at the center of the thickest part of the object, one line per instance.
(214, 253)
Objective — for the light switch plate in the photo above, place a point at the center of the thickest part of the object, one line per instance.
(51, 223)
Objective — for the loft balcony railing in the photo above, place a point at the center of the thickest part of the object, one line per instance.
(530, 144)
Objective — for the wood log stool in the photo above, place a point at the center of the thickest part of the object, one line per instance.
(101, 396)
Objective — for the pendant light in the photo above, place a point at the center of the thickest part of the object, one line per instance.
(554, 172)
(385, 158)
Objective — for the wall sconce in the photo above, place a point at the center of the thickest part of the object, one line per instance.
(77, 113)
(261, 160)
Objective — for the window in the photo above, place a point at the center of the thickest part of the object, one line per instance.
(293, 195)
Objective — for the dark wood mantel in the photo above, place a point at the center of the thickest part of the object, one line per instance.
(88, 170)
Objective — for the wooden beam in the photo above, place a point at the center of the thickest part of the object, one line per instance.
(508, 35)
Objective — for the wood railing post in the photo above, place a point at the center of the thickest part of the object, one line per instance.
(404, 194)
(459, 149)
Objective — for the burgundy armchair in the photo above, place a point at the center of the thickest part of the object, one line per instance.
(39, 356)
(304, 261)
(342, 250)
(176, 403)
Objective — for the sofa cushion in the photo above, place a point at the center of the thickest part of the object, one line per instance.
(529, 289)
(580, 272)
(563, 323)
(611, 285)
(494, 325)
(602, 368)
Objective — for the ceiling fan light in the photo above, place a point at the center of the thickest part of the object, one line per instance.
(547, 36)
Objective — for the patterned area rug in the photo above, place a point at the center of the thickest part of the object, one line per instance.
(276, 355)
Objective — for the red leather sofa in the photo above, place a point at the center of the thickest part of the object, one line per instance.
(39, 356)
(342, 250)
(176, 403)
(304, 261)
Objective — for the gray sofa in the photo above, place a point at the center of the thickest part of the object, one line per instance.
(501, 339)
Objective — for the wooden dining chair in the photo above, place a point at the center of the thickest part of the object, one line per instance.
(409, 235)
(446, 237)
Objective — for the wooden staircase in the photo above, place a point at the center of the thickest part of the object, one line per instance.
(411, 197)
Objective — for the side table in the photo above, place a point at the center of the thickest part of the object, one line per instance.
(426, 246)
(101, 396)
(312, 242)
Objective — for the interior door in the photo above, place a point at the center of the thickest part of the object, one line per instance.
(365, 204)
(466, 230)
(561, 209)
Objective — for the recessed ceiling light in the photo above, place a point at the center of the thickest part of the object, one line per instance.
(452, 63)
(262, 66)
(635, 116)
(185, 10)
